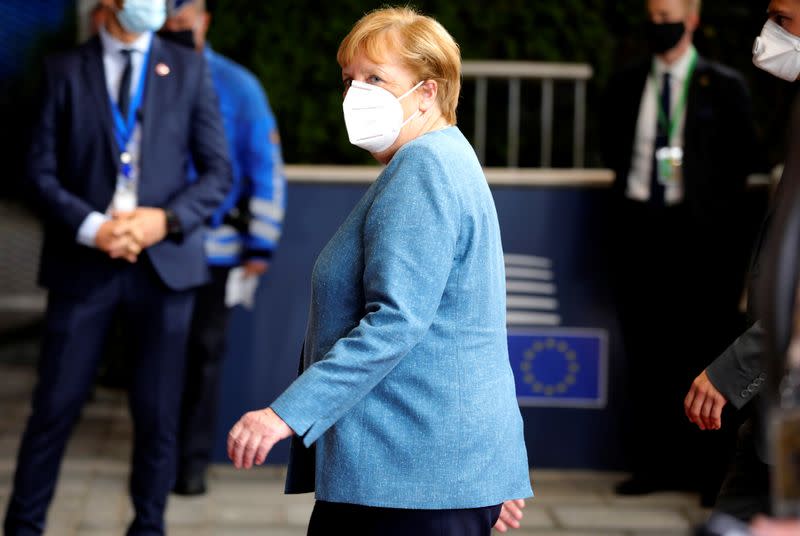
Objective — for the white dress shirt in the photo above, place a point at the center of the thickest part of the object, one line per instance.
(113, 67)
(640, 174)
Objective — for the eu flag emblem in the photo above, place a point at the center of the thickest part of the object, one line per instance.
(560, 367)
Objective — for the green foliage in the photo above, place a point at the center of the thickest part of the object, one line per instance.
(291, 47)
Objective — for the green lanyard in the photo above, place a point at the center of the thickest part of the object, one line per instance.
(670, 124)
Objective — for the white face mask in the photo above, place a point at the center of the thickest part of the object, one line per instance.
(373, 116)
(777, 52)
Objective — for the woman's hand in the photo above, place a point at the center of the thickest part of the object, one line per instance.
(510, 515)
(251, 439)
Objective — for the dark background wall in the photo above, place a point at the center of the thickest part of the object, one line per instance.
(291, 46)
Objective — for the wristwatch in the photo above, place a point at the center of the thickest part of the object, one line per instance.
(174, 228)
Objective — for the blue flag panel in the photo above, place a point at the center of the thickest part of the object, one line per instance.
(559, 367)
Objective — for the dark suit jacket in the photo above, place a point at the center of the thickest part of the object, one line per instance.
(73, 162)
(719, 136)
(755, 359)
(719, 144)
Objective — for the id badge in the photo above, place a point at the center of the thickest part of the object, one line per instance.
(125, 198)
(669, 161)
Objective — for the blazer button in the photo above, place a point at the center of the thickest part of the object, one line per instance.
(745, 394)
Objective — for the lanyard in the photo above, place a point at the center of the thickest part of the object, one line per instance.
(124, 127)
(670, 124)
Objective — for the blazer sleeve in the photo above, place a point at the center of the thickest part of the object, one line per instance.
(738, 372)
(57, 202)
(209, 150)
(410, 236)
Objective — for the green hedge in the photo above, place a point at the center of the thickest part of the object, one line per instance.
(291, 46)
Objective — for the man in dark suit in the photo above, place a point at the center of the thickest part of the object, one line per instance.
(738, 376)
(120, 116)
(679, 136)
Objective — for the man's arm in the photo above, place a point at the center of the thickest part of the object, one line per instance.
(734, 377)
(89, 227)
(57, 202)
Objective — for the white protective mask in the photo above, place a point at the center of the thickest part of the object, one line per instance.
(777, 52)
(373, 116)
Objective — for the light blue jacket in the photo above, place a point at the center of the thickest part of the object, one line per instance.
(408, 392)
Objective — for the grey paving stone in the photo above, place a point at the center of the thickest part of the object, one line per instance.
(9, 446)
(249, 515)
(62, 522)
(107, 504)
(562, 532)
(194, 530)
(297, 515)
(676, 500)
(248, 492)
(67, 503)
(618, 518)
(686, 532)
(541, 476)
(259, 530)
(190, 510)
(537, 518)
(84, 530)
(561, 497)
(72, 486)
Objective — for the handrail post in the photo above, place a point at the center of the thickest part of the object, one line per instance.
(481, 97)
(513, 122)
(547, 123)
(579, 129)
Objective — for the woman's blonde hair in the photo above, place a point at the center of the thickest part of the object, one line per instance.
(424, 47)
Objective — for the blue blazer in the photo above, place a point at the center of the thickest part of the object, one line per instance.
(73, 162)
(407, 392)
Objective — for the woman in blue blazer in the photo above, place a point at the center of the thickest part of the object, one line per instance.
(407, 394)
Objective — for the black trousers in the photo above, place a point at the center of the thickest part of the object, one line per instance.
(330, 518)
(205, 350)
(678, 311)
(76, 328)
(745, 491)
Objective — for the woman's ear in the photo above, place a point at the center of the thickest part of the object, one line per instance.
(429, 91)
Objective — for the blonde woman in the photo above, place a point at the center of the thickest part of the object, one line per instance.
(407, 393)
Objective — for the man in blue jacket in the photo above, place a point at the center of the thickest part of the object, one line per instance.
(244, 231)
(123, 237)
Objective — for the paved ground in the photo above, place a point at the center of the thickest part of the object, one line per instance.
(91, 497)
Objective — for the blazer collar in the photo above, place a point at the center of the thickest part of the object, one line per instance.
(160, 72)
(94, 73)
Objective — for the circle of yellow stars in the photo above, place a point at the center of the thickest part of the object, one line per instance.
(550, 389)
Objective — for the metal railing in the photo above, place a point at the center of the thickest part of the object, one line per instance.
(515, 72)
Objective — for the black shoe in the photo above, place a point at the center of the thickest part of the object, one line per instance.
(638, 486)
(191, 486)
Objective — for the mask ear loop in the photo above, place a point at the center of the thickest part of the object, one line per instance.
(410, 91)
(404, 95)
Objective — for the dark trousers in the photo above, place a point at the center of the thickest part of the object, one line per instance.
(337, 518)
(156, 322)
(205, 350)
(745, 491)
(677, 306)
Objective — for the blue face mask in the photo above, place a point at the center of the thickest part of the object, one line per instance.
(139, 16)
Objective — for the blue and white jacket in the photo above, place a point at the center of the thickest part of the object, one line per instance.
(257, 166)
